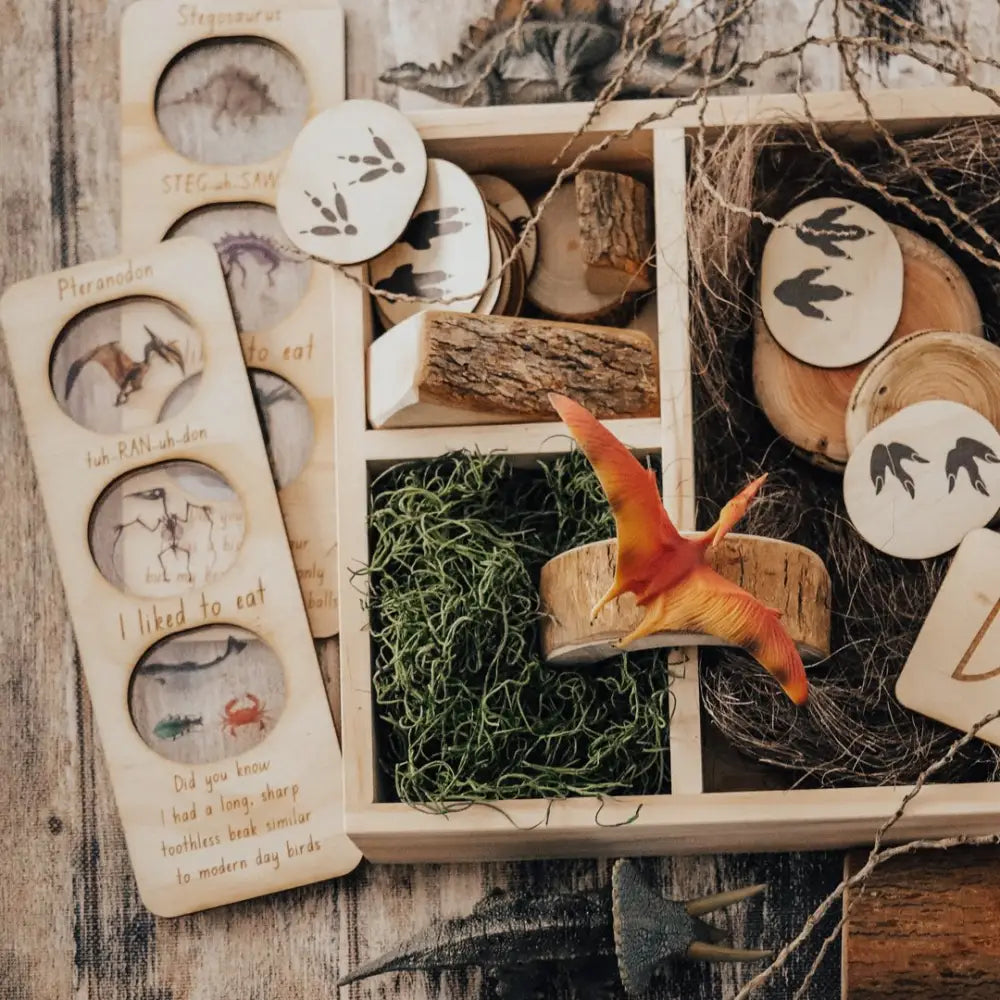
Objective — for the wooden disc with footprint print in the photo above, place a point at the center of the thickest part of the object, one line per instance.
(444, 251)
(506, 198)
(831, 282)
(920, 481)
(352, 179)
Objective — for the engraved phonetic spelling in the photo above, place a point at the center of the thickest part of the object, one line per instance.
(126, 373)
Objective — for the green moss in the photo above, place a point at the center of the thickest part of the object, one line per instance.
(469, 711)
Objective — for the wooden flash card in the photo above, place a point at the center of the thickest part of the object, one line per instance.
(953, 672)
(212, 97)
(178, 576)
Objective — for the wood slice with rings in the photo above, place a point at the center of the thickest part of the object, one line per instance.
(925, 366)
(806, 404)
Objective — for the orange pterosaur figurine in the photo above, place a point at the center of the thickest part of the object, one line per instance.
(666, 572)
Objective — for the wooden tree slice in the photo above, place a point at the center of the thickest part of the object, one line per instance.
(919, 482)
(616, 228)
(831, 282)
(441, 369)
(558, 285)
(924, 366)
(784, 576)
(807, 405)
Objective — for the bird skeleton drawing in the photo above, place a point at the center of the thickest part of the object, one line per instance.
(125, 371)
(668, 573)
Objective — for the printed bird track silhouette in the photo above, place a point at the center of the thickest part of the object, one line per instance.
(802, 291)
(824, 232)
(888, 458)
(379, 165)
(966, 454)
(404, 281)
(431, 225)
(336, 217)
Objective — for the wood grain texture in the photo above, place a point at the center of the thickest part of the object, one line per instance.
(616, 231)
(922, 927)
(462, 368)
(780, 575)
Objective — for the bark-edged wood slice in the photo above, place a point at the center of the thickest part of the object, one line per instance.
(788, 577)
(441, 369)
(558, 284)
(924, 366)
(616, 231)
(807, 404)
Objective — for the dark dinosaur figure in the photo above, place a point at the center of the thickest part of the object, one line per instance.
(966, 454)
(563, 50)
(126, 372)
(888, 459)
(802, 292)
(516, 938)
(431, 225)
(824, 232)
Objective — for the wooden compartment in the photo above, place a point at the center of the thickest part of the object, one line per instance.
(520, 143)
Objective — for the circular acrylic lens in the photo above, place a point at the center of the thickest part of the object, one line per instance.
(162, 530)
(232, 101)
(266, 275)
(113, 366)
(208, 693)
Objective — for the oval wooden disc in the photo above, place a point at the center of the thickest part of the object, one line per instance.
(784, 576)
(444, 250)
(512, 204)
(807, 405)
(558, 284)
(352, 178)
(831, 282)
(921, 480)
(928, 365)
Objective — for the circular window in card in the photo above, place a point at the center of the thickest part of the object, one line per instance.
(232, 101)
(165, 529)
(113, 366)
(206, 694)
(266, 275)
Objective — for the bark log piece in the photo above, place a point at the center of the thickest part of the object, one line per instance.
(787, 577)
(440, 369)
(616, 231)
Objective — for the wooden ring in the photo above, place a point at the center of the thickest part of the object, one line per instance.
(788, 577)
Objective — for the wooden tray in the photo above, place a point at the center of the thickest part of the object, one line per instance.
(520, 144)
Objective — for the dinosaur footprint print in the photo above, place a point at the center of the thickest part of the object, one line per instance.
(803, 292)
(966, 454)
(887, 459)
(825, 232)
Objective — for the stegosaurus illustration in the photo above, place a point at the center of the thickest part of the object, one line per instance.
(564, 50)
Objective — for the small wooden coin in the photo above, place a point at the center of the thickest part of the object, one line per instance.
(503, 196)
(924, 478)
(925, 366)
(788, 577)
(831, 282)
(807, 405)
(953, 671)
(353, 177)
(444, 251)
(558, 285)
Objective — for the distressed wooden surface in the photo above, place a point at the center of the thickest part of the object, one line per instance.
(917, 929)
(73, 922)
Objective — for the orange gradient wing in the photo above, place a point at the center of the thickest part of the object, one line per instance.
(645, 532)
(706, 602)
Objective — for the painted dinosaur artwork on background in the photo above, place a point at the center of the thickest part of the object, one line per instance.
(518, 939)
(563, 50)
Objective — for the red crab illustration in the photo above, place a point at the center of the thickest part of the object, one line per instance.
(246, 711)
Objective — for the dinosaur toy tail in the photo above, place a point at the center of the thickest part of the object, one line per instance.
(650, 929)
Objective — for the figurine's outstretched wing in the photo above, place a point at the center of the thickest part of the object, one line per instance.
(706, 602)
(645, 533)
